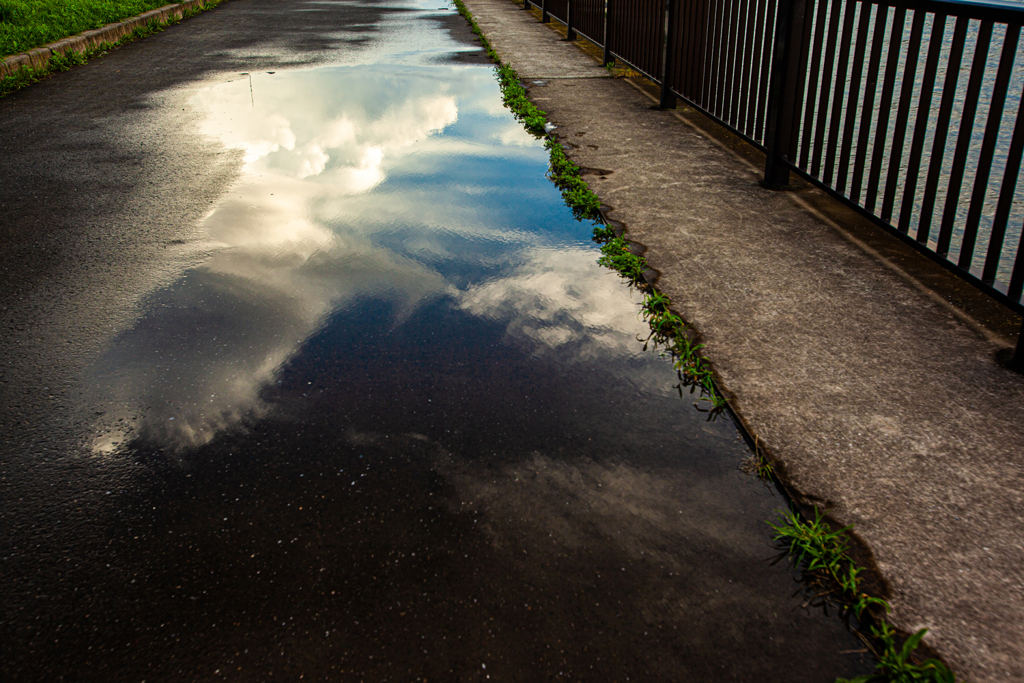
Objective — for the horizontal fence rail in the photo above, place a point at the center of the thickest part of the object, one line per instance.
(909, 111)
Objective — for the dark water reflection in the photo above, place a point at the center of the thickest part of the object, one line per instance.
(398, 426)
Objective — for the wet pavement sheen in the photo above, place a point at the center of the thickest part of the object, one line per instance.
(394, 424)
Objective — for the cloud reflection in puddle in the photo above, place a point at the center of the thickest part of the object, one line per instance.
(400, 184)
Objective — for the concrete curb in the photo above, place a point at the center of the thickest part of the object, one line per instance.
(39, 58)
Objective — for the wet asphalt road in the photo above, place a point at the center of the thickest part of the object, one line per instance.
(425, 486)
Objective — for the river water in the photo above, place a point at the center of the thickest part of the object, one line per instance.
(398, 425)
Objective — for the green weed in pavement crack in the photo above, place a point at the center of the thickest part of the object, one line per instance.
(823, 555)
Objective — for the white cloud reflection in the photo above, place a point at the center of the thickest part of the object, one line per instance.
(355, 185)
(561, 300)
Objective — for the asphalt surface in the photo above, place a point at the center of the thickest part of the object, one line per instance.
(869, 374)
(429, 445)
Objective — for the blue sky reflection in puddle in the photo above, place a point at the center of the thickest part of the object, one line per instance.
(403, 184)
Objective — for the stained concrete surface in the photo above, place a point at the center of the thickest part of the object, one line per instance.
(882, 403)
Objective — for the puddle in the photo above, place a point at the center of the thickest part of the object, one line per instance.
(399, 425)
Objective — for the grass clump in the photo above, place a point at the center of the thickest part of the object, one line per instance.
(513, 94)
(25, 24)
(615, 254)
(823, 554)
(62, 61)
(668, 330)
(897, 665)
(671, 333)
(566, 177)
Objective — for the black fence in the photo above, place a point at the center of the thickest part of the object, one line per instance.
(909, 111)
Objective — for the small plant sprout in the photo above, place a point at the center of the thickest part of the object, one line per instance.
(823, 555)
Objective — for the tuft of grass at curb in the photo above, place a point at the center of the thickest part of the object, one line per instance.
(668, 330)
(62, 61)
(823, 555)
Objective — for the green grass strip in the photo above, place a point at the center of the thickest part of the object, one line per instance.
(63, 61)
(667, 329)
(25, 24)
(823, 554)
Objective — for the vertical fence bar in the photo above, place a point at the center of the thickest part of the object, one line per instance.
(1011, 174)
(868, 108)
(963, 144)
(828, 78)
(544, 16)
(570, 32)
(931, 186)
(782, 105)
(817, 46)
(924, 104)
(1012, 169)
(689, 62)
(902, 117)
(712, 61)
(803, 46)
(899, 19)
(856, 75)
(756, 76)
(711, 73)
(609, 23)
(839, 92)
(742, 103)
(776, 175)
(700, 50)
(668, 98)
(744, 36)
(721, 95)
(637, 27)
(629, 42)
(732, 46)
(766, 67)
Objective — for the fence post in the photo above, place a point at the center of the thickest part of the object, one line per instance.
(544, 16)
(608, 59)
(782, 90)
(668, 98)
(570, 33)
(526, 4)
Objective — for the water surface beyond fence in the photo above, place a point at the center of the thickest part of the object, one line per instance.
(909, 111)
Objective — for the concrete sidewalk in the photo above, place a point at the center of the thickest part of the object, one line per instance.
(880, 401)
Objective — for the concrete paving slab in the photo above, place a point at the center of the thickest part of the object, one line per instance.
(881, 402)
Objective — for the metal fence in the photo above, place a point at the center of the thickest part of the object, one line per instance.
(909, 111)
